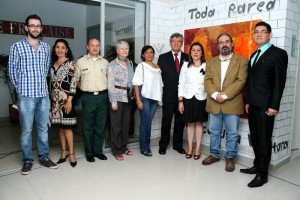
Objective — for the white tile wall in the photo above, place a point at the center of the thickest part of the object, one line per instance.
(285, 22)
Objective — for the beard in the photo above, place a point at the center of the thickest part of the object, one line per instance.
(225, 51)
(34, 36)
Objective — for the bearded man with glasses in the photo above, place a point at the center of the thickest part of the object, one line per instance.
(225, 78)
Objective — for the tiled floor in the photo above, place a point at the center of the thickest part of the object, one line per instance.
(166, 177)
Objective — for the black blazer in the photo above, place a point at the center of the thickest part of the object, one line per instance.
(266, 79)
(170, 77)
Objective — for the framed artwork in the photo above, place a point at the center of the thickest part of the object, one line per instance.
(241, 34)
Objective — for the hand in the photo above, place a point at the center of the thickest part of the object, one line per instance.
(114, 109)
(68, 107)
(271, 112)
(180, 107)
(220, 98)
(140, 104)
(247, 108)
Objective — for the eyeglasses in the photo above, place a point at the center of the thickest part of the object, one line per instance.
(34, 26)
(261, 32)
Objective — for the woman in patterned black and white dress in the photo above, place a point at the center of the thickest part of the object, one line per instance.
(62, 90)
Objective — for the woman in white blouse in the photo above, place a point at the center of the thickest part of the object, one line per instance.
(192, 97)
(148, 85)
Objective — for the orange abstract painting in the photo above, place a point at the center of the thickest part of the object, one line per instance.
(241, 34)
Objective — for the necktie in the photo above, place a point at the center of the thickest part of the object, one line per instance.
(177, 63)
(256, 57)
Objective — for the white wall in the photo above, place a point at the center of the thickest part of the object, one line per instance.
(293, 28)
(52, 12)
(284, 19)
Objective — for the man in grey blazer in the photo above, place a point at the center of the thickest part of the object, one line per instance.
(265, 84)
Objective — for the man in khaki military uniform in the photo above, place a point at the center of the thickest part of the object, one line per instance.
(91, 74)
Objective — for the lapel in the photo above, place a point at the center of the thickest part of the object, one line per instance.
(233, 62)
(263, 56)
(171, 61)
(217, 66)
(182, 59)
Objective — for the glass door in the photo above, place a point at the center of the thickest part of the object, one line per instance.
(125, 20)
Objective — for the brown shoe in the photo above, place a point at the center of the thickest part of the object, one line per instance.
(210, 160)
(229, 167)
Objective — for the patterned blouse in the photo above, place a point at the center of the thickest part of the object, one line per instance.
(118, 75)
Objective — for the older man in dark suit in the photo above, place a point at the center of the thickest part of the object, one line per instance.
(170, 64)
(265, 84)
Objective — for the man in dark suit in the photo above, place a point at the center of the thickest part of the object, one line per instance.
(265, 84)
(170, 64)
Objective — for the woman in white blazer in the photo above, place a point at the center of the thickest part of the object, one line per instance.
(192, 97)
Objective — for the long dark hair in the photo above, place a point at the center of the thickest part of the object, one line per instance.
(69, 54)
(202, 58)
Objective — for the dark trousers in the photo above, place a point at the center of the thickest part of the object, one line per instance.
(94, 115)
(168, 111)
(261, 128)
(119, 127)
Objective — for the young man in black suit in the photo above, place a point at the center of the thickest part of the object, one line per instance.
(170, 64)
(267, 70)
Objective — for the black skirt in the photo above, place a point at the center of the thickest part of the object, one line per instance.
(194, 110)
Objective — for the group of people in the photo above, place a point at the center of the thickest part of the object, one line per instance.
(187, 86)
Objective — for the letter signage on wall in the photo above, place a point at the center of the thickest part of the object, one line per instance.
(234, 9)
(17, 28)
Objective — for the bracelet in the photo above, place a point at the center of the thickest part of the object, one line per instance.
(180, 100)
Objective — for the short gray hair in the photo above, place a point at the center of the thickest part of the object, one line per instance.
(121, 42)
(176, 35)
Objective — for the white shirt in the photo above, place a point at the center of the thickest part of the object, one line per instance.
(224, 67)
(178, 56)
(191, 82)
(151, 80)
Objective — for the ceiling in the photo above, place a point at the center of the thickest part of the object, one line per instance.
(96, 2)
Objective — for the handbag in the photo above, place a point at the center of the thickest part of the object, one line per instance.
(131, 100)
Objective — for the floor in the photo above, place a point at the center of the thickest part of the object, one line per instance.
(171, 176)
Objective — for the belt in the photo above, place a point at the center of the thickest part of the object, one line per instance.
(94, 93)
(122, 88)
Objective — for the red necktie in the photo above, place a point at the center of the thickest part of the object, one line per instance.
(177, 63)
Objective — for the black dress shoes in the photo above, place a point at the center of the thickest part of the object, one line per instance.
(90, 158)
(258, 181)
(252, 170)
(62, 160)
(162, 151)
(73, 164)
(180, 150)
(100, 156)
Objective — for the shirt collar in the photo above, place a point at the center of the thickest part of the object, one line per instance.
(89, 56)
(178, 54)
(264, 48)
